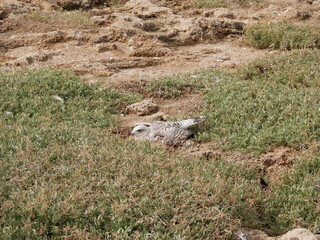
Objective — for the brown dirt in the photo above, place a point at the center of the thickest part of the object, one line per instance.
(144, 40)
(275, 163)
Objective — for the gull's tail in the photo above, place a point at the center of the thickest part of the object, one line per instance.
(184, 124)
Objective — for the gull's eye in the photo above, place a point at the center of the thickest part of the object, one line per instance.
(139, 130)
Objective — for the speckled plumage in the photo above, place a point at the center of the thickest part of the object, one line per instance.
(169, 133)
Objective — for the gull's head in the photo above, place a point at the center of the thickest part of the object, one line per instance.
(141, 131)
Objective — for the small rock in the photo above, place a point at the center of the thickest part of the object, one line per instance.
(99, 20)
(29, 60)
(146, 107)
(130, 42)
(303, 15)
(225, 58)
(40, 57)
(60, 99)
(189, 144)
(295, 234)
(53, 37)
(159, 116)
(298, 234)
(127, 18)
(230, 65)
(107, 47)
(242, 236)
(102, 73)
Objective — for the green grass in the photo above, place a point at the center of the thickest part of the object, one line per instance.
(294, 202)
(75, 18)
(65, 175)
(182, 84)
(268, 103)
(282, 35)
(223, 3)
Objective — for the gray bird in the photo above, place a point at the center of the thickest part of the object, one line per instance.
(169, 133)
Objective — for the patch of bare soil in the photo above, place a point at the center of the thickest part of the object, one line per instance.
(274, 163)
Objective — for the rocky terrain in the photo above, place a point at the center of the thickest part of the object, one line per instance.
(139, 41)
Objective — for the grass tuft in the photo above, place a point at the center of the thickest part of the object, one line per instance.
(223, 4)
(77, 18)
(282, 35)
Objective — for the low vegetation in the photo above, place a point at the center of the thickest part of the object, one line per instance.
(294, 202)
(182, 84)
(117, 3)
(282, 35)
(222, 3)
(65, 175)
(77, 18)
(268, 103)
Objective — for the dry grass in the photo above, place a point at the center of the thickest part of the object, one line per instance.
(282, 35)
(223, 3)
(60, 19)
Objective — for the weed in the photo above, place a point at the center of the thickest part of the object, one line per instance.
(282, 35)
